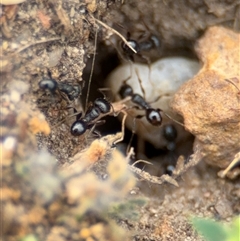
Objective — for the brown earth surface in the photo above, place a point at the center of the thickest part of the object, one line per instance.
(59, 187)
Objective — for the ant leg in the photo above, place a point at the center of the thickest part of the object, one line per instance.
(158, 98)
(123, 128)
(140, 83)
(97, 133)
(133, 133)
(99, 122)
(119, 106)
(77, 114)
(148, 63)
(235, 161)
(129, 77)
(116, 32)
(102, 90)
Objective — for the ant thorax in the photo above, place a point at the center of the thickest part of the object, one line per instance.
(157, 86)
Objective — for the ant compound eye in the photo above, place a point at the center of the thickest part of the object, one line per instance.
(154, 117)
(103, 105)
(125, 91)
(48, 84)
(78, 128)
(170, 133)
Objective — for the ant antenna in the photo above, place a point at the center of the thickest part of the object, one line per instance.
(93, 62)
(116, 32)
(140, 83)
(231, 82)
(143, 161)
(35, 43)
(123, 127)
(168, 116)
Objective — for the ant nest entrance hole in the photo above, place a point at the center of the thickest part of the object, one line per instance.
(156, 79)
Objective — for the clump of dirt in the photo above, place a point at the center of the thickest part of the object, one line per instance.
(207, 96)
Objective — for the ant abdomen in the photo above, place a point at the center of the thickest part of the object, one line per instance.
(48, 84)
(125, 91)
(79, 127)
(170, 133)
(103, 105)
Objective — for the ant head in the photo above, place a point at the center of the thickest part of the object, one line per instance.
(170, 133)
(133, 44)
(103, 105)
(48, 84)
(154, 116)
(170, 169)
(78, 127)
(125, 91)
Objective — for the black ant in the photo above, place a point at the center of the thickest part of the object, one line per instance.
(170, 134)
(147, 45)
(153, 116)
(72, 91)
(127, 51)
(100, 108)
(67, 92)
(152, 43)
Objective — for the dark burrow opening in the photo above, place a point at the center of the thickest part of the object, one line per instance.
(106, 60)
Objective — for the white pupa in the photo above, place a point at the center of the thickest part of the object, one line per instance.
(159, 82)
